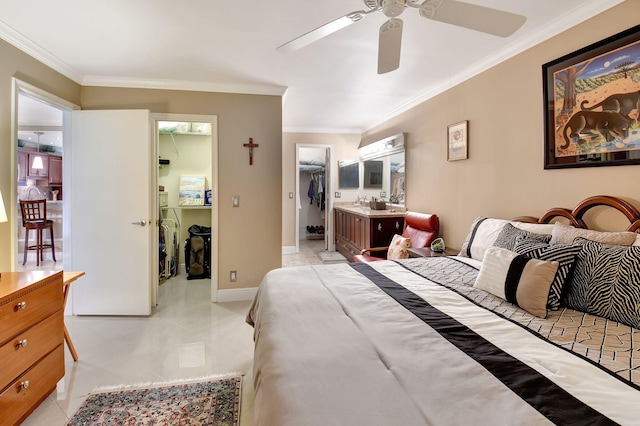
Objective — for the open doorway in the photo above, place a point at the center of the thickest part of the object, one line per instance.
(314, 210)
(187, 198)
(39, 123)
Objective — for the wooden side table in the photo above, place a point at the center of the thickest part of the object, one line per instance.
(427, 252)
(67, 279)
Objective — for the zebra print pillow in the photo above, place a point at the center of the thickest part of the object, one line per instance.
(508, 236)
(564, 254)
(606, 282)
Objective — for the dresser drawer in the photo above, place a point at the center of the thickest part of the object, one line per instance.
(19, 353)
(17, 400)
(30, 306)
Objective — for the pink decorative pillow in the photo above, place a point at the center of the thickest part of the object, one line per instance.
(398, 249)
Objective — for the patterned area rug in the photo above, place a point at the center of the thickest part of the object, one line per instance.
(202, 401)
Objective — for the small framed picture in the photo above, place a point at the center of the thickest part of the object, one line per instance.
(458, 141)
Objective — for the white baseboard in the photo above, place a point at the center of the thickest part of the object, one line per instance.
(236, 294)
(289, 250)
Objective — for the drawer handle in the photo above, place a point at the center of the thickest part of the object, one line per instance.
(379, 227)
(24, 385)
(21, 305)
(397, 225)
(21, 344)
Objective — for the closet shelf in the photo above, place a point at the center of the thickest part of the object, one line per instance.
(186, 207)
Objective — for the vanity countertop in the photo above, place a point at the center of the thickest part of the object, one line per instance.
(366, 211)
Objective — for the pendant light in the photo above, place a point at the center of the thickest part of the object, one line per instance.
(37, 160)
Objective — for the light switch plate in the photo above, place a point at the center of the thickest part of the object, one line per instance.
(236, 201)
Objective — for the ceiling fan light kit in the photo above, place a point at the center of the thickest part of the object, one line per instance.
(479, 18)
(393, 8)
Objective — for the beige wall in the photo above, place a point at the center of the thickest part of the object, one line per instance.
(17, 64)
(250, 235)
(345, 146)
(504, 175)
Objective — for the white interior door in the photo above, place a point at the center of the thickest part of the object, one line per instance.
(329, 242)
(111, 213)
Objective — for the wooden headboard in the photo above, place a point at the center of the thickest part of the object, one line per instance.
(575, 217)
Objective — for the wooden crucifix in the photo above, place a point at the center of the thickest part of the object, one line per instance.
(251, 145)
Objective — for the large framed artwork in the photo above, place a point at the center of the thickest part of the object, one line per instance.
(592, 104)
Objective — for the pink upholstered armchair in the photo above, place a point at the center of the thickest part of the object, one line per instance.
(422, 228)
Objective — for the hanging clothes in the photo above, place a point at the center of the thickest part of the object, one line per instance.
(311, 193)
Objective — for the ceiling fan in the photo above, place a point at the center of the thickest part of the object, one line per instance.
(467, 15)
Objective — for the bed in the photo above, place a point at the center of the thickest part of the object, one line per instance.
(489, 337)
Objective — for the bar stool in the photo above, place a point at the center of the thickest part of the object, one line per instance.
(34, 216)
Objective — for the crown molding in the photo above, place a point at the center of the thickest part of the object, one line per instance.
(32, 49)
(193, 86)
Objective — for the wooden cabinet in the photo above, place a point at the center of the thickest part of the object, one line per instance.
(38, 173)
(55, 170)
(356, 231)
(52, 170)
(31, 341)
(23, 165)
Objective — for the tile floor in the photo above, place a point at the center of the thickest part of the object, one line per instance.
(185, 337)
(308, 254)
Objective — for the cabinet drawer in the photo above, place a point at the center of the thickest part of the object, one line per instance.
(17, 401)
(383, 230)
(37, 341)
(29, 307)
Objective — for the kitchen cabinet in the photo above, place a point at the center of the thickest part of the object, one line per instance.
(31, 341)
(357, 228)
(55, 170)
(23, 164)
(38, 173)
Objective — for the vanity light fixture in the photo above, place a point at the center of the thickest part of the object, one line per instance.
(383, 147)
(37, 160)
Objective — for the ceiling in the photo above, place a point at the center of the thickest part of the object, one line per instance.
(331, 85)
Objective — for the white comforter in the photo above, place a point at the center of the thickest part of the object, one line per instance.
(332, 348)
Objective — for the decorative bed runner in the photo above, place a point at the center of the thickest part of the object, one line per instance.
(204, 401)
(578, 332)
(523, 380)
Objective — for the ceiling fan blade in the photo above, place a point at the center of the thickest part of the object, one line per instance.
(389, 45)
(323, 31)
(474, 17)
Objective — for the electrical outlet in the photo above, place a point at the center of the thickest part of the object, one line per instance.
(336, 195)
(233, 276)
(383, 194)
(235, 201)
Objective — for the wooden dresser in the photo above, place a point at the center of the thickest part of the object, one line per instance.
(31, 341)
(358, 228)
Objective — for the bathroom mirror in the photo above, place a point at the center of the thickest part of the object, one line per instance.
(373, 170)
(348, 174)
(383, 168)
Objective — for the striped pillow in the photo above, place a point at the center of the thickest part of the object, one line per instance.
(606, 282)
(510, 234)
(518, 279)
(564, 254)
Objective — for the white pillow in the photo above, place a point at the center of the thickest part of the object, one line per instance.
(484, 231)
(518, 279)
